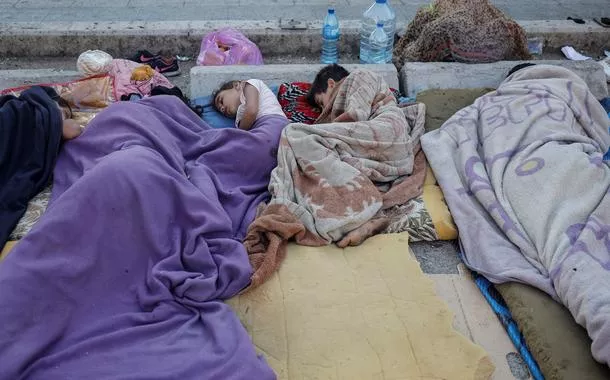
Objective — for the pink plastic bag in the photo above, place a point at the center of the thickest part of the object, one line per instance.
(228, 47)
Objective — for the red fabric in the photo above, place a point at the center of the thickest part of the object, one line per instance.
(293, 99)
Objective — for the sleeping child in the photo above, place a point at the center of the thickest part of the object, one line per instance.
(246, 101)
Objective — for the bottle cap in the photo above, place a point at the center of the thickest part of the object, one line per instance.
(380, 24)
(331, 11)
(381, 1)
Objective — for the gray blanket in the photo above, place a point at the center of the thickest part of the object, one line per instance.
(523, 174)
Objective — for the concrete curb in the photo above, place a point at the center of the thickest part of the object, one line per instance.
(17, 78)
(206, 79)
(418, 76)
(274, 38)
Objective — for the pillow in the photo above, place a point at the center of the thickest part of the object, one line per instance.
(434, 201)
(426, 217)
(214, 118)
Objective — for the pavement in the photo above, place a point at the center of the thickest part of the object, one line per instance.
(167, 10)
(439, 260)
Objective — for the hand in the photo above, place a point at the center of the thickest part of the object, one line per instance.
(71, 129)
(379, 101)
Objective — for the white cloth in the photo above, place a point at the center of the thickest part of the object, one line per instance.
(573, 55)
(267, 102)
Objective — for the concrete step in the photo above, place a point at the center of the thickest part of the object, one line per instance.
(17, 78)
(415, 77)
(418, 76)
(206, 79)
(279, 38)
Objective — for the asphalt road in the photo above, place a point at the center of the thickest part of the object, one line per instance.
(164, 10)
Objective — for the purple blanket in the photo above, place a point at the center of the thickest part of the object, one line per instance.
(124, 275)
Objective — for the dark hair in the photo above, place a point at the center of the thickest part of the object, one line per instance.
(519, 67)
(225, 86)
(61, 102)
(320, 84)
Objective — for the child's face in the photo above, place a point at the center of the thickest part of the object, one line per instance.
(323, 98)
(227, 102)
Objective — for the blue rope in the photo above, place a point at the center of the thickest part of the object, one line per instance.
(505, 316)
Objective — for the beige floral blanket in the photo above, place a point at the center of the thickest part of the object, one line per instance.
(333, 178)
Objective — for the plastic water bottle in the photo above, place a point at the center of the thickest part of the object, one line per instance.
(378, 43)
(330, 37)
(380, 11)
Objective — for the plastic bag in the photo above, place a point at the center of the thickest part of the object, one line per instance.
(228, 47)
(94, 62)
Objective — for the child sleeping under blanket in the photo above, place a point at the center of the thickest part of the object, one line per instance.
(522, 171)
(246, 101)
(125, 274)
(335, 178)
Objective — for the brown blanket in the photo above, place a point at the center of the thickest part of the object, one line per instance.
(333, 178)
(472, 31)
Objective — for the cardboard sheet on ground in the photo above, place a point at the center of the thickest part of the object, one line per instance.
(366, 312)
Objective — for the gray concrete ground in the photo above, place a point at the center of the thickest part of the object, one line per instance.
(159, 10)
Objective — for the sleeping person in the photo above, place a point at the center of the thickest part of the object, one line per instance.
(140, 245)
(324, 90)
(32, 127)
(246, 101)
(70, 127)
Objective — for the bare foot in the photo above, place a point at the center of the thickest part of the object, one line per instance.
(365, 231)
